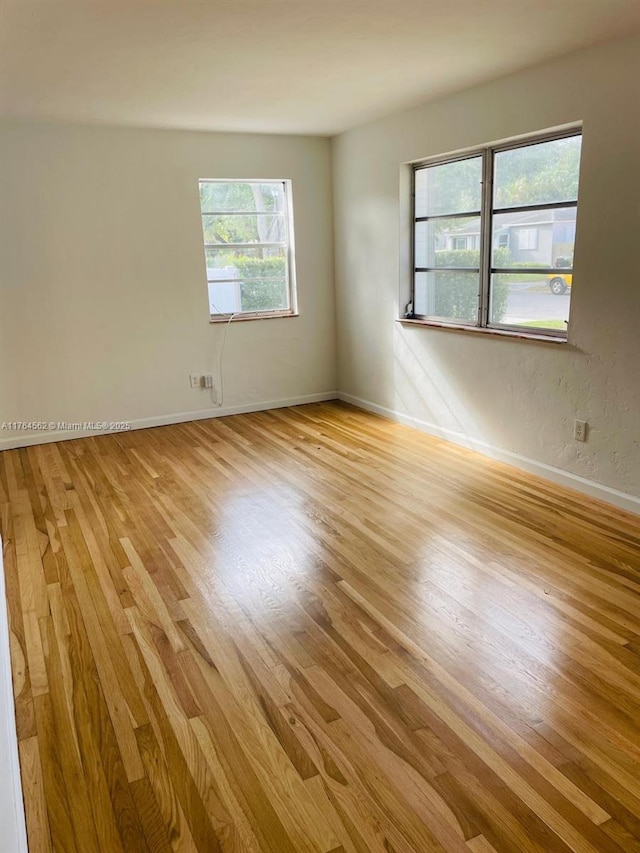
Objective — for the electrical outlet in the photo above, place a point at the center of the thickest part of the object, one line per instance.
(194, 380)
(208, 380)
(580, 430)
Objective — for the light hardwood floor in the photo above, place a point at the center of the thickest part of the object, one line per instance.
(316, 630)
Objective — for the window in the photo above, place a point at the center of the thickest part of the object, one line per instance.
(527, 239)
(494, 235)
(466, 241)
(248, 246)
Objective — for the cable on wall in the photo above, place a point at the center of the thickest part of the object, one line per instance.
(219, 403)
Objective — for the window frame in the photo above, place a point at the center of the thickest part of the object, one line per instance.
(487, 213)
(239, 316)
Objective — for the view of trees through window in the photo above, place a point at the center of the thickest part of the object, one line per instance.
(246, 237)
(533, 209)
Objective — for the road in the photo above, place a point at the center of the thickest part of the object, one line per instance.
(525, 303)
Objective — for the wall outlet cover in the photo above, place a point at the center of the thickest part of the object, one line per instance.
(580, 430)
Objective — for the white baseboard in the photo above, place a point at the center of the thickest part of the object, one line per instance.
(30, 439)
(13, 831)
(625, 501)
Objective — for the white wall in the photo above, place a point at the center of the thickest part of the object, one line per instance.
(103, 296)
(515, 396)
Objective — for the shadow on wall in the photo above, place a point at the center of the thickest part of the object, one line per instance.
(423, 388)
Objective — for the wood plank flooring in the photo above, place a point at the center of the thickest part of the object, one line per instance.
(315, 631)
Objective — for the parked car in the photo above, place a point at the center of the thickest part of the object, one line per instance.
(559, 283)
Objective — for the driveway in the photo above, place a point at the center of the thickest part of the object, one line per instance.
(527, 302)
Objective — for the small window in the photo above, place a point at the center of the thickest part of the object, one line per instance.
(527, 239)
(494, 235)
(248, 246)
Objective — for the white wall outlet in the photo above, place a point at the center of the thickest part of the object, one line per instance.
(194, 380)
(580, 430)
(208, 380)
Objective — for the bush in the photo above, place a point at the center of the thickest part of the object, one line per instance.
(454, 298)
(263, 283)
(500, 290)
(264, 295)
(249, 268)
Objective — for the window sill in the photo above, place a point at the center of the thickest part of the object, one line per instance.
(239, 318)
(475, 330)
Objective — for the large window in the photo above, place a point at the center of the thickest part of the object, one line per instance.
(494, 235)
(248, 245)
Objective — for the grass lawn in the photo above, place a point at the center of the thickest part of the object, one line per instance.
(545, 324)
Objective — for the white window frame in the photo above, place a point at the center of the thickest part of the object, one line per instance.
(530, 244)
(486, 213)
(288, 245)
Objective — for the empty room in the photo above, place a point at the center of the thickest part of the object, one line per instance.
(320, 426)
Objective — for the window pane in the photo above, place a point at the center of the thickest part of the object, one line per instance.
(240, 196)
(451, 242)
(224, 297)
(531, 301)
(449, 188)
(264, 294)
(247, 280)
(254, 228)
(543, 173)
(537, 238)
(449, 296)
(256, 294)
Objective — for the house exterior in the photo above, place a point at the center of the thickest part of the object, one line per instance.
(539, 237)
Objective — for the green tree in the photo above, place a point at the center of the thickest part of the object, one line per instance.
(542, 173)
(538, 174)
(449, 188)
(242, 212)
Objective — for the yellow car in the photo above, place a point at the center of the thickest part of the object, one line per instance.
(560, 282)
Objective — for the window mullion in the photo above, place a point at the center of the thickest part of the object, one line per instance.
(485, 230)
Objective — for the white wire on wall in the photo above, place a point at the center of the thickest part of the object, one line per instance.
(218, 400)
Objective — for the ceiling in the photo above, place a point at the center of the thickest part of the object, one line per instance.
(288, 66)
